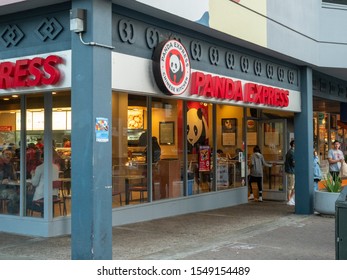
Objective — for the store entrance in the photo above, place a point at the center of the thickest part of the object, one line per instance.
(273, 143)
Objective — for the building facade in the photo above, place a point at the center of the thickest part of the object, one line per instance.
(150, 112)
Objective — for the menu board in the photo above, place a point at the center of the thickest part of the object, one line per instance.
(135, 119)
(38, 120)
(59, 121)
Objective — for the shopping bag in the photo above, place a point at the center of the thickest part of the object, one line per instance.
(343, 170)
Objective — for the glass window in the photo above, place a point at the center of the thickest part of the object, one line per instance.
(61, 135)
(129, 142)
(199, 147)
(61, 154)
(10, 157)
(229, 146)
(166, 148)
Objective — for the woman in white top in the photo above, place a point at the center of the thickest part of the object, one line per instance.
(38, 180)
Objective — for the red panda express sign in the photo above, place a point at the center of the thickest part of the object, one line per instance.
(225, 88)
(24, 73)
(171, 69)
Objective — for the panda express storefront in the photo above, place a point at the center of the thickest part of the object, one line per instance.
(188, 94)
(194, 112)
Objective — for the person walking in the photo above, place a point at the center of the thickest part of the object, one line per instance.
(257, 162)
(289, 168)
(335, 158)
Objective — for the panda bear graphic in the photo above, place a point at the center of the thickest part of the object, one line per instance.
(197, 129)
(176, 68)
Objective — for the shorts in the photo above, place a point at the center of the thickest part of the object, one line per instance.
(290, 181)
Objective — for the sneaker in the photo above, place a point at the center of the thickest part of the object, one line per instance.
(251, 197)
(291, 203)
(260, 199)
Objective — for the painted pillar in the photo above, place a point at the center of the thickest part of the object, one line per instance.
(91, 215)
(303, 154)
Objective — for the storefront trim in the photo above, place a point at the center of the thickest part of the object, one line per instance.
(131, 214)
(35, 226)
(179, 206)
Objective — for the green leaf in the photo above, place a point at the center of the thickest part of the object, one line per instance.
(332, 186)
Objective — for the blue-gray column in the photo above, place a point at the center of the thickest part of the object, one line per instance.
(91, 233)
(303, 123)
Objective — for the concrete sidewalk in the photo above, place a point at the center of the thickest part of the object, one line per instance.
(253, 231)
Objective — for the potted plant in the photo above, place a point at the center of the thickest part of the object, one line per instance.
(324, 199)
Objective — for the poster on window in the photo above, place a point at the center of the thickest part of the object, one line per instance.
(204, 158)
(222, 175)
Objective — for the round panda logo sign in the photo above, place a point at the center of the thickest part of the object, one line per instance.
(171, 67)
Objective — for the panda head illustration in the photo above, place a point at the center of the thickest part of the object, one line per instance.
(196, 127)
(176, 68)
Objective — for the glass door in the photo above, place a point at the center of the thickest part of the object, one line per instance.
(273, 144)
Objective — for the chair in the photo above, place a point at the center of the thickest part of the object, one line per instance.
(37, 205)
(58, 184)
(140, 189)
(115, 193)
(3, 204)
(65, 194)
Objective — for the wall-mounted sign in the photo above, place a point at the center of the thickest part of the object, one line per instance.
(210, 86)
(30, 72)
(135, 78)
(171, 67)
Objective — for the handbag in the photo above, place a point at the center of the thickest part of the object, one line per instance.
(343, 169)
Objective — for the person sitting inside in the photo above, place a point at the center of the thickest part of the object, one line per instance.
(7, 173)
(37, 181)
(33, 158)
(66, 143)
